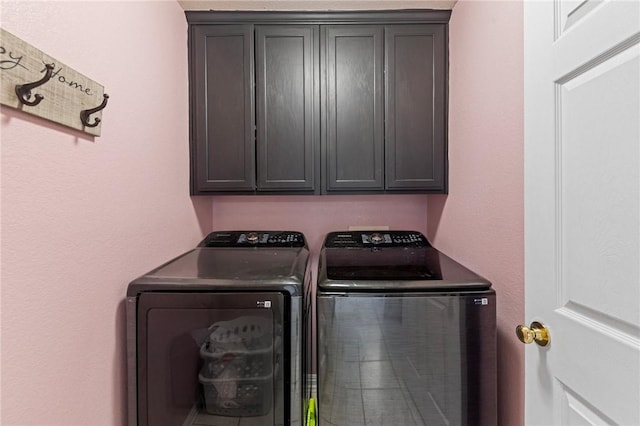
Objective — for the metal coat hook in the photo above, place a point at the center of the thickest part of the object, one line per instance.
(85, 113)
(24, 90)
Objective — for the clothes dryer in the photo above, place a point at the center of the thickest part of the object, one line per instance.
(214, 337)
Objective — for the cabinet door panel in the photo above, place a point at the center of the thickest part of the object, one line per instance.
(286, 85)
(415, 107)
(222, 108)
(353, 57)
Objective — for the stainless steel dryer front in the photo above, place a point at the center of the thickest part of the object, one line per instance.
(406, 335)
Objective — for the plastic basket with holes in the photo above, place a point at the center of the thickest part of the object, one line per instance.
(237, 397)
(237, 374)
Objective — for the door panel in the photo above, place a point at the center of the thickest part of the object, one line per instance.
(223, 111)
(415, 107)
(286, 85)
(207, 358)
(354, 107)
(582, 215)
(597, 107)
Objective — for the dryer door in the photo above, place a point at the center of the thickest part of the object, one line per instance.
(210, 358)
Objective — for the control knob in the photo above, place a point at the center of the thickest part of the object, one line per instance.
(253, 237)
(376, 238)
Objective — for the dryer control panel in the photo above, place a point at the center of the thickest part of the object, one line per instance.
(254, 239)
(361, 239)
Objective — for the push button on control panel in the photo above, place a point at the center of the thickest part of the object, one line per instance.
(408, 238)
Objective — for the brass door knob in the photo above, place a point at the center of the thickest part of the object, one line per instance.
(536, 332)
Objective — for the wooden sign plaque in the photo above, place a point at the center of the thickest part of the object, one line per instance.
(64, 96)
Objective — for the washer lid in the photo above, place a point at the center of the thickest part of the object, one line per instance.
(388, 263)
(390, 260)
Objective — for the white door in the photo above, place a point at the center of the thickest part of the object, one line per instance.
(582, 216)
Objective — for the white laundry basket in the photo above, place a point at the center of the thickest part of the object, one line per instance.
(237, 374)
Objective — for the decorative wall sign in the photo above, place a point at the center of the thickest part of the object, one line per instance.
(38, 84)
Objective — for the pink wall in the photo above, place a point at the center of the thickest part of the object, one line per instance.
(81, 217)
(317, 215)
(480, 222)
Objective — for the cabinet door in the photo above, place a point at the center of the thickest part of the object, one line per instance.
(353, 121)
(222, 127)
(416, 107)
(287, 107)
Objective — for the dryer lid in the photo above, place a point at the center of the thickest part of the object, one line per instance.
(224, 269)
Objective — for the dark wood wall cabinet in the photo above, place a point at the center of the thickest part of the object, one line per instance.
(318, 102)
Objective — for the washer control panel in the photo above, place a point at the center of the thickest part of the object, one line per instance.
(376, 238)
(254, 239)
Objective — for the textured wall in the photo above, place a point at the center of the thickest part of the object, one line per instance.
(317, 215)
(81, 217)
(480, 222)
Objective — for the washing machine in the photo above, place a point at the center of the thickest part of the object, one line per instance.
(406, 335)
(215, 336)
